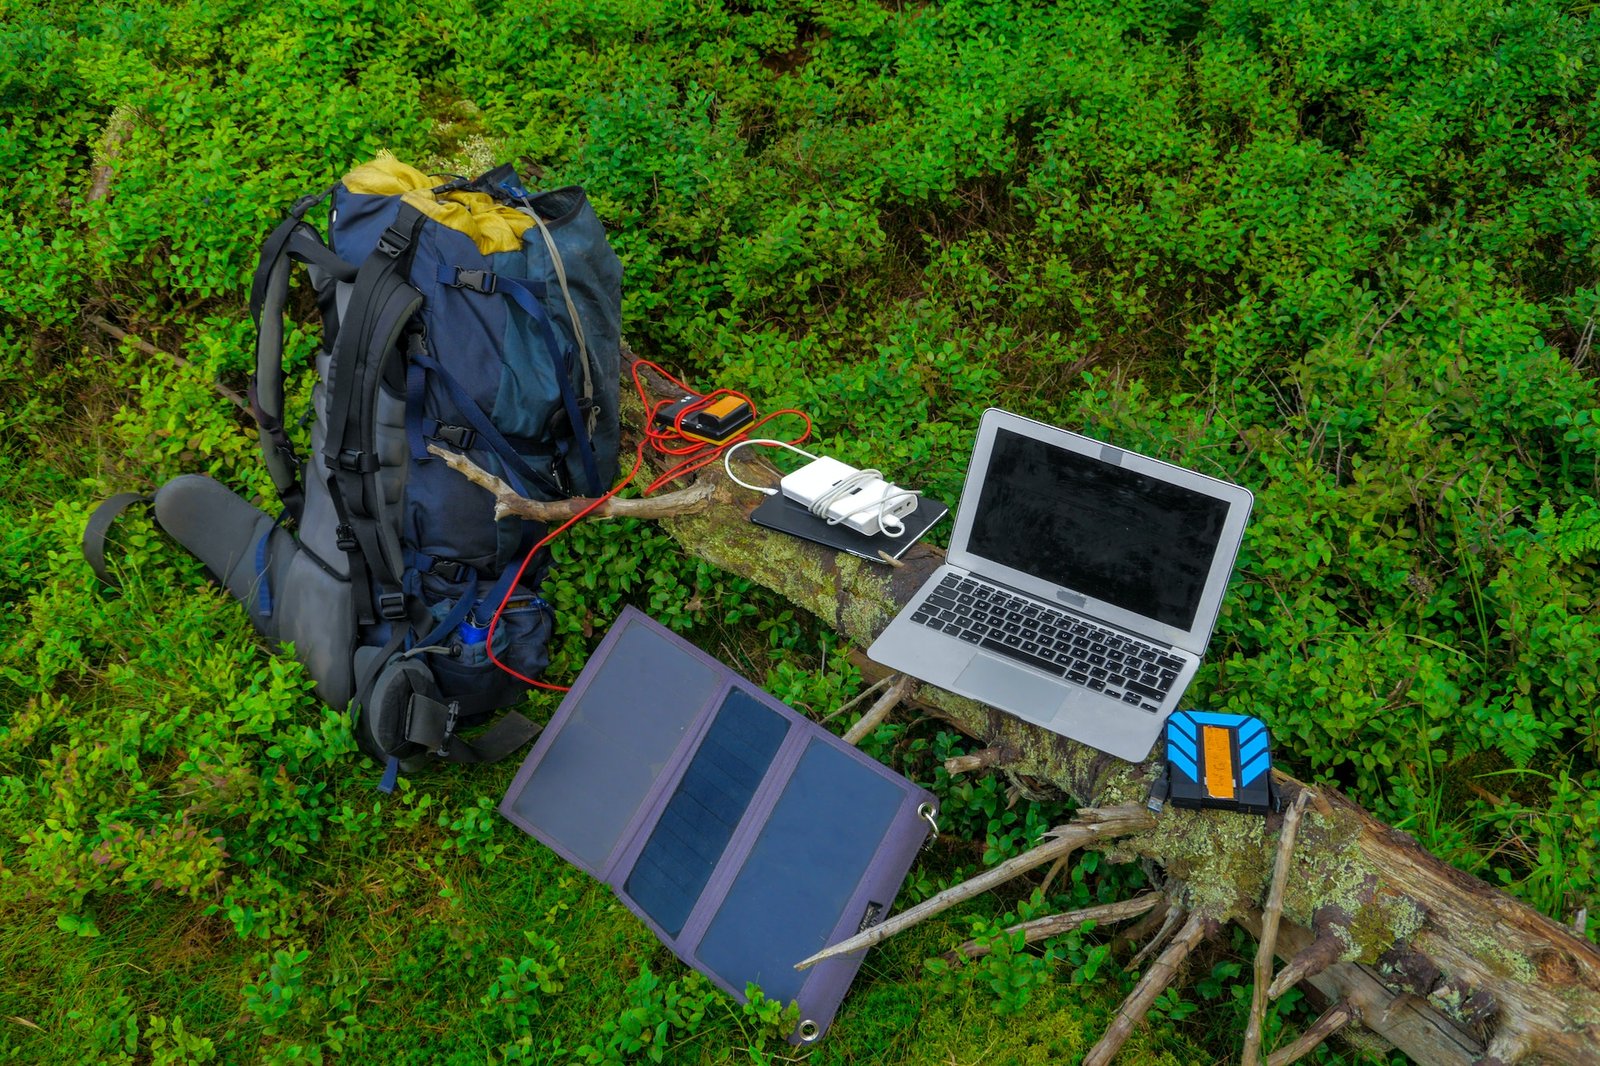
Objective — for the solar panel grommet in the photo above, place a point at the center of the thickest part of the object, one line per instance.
(809, 1031)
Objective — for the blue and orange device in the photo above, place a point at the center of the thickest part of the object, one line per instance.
(1220, 761)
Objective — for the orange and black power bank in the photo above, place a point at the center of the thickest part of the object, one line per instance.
(715, 423)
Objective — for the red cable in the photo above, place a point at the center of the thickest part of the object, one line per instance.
(693, 455)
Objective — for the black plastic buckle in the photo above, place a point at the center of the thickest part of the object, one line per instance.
(461, 437)
(393, 241)
(451, 570)
(305, 203)
(358, 461)
(345, 538)
(392, 605)
(477, 280)
(452, 715)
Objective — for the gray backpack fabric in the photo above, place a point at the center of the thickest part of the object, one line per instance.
(384, 567)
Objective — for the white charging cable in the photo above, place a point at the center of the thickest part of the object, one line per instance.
(888, 523)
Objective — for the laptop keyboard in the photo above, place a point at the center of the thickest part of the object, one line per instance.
(1067, 646)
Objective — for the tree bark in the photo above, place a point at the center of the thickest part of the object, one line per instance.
(1436, 963)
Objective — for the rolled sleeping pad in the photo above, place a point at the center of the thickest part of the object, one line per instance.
(288, 594)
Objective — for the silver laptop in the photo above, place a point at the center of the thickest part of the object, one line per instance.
(1081, 586)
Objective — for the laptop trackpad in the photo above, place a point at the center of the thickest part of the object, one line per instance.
(1012, 687)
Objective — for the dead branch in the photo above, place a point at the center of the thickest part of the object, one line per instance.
(880, 710)
(1323, 952)
(1271, 914)
(119, 127)
(1091, 825)
(1146, 926)
(1175, 914)
(1137, 1005)
(1056, 924)
(118, 333)
(1333, 1019)
(979, 760)
(507, 503)
(876, 686)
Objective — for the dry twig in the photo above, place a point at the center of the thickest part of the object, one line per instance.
(1056, 924)
(979, 760)
(1333, 1019)
(1271, 914)
(876, 686)
(879, 710)
(507, 503)
(1092, 824)
(1137, 1005)
(1318, 956)
(118, 333)
(1168, 924)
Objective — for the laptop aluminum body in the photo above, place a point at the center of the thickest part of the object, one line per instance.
(1092, 538)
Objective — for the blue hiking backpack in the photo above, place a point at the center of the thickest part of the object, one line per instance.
(470, 314)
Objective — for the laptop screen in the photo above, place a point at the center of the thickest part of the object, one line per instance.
(1126, 538)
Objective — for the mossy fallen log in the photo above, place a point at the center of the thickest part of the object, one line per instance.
(1423, 957)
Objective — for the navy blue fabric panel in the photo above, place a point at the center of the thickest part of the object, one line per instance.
(615, 744)
(451, 518)
(807, 861)
(465, 328)
(704, 810)
(359, 219)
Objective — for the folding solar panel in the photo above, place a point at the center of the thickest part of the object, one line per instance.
(744, 835)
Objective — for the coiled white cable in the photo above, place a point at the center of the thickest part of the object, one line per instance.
(888, 524)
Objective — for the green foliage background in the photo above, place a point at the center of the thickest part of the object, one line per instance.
(1344, 253)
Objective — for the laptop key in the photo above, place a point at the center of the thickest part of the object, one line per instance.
(1023, 657)
(970, 637)
(1079, 676)
(1130, 697)
(1145, 690)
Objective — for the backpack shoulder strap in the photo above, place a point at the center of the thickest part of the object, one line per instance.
(294, 240)
(382, 305)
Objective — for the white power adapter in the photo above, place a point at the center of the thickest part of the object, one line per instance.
(837, 492)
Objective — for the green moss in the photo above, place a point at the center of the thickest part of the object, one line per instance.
(1223, 858)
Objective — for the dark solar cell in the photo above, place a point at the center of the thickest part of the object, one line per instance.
(809, 857)
(621, 732)
(699, 819)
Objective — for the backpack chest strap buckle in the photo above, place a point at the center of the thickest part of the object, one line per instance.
(483, 281)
